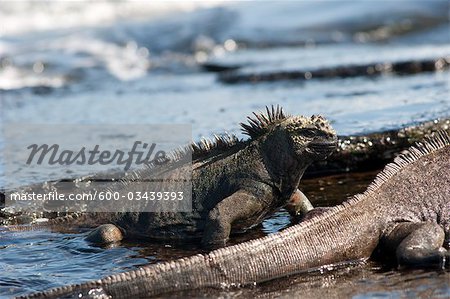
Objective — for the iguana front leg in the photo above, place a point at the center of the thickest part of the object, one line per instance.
(239, 205)
(418, 245)
(301, 209)
(298, 204)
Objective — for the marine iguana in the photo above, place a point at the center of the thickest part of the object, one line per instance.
(360, 152)
(235, 183)
(405, 212)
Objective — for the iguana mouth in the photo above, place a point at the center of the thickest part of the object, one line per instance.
(323, 147)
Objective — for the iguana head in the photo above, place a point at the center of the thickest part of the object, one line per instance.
(311, 137)
(305, 138)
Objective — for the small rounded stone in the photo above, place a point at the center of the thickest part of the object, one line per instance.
(106, 233)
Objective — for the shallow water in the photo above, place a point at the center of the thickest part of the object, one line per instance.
(142, 64)
(37, 260)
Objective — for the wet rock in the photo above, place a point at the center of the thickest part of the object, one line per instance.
(372, 69)
(373, 151)
(217, 68)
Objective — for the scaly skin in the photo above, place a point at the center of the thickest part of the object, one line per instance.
(235, 184)
(404, 212)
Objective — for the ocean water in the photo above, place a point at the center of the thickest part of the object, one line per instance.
(114, 62)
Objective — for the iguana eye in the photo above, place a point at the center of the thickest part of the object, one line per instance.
(308, 133)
